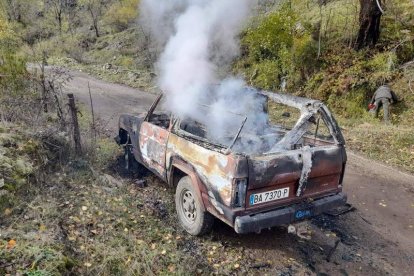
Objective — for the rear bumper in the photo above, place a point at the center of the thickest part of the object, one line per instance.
(286, 215)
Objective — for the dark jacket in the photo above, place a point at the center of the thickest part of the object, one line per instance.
(384, 91)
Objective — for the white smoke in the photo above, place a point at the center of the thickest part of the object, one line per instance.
(199, 37)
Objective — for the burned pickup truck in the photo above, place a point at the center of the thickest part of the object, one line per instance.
(294, 172)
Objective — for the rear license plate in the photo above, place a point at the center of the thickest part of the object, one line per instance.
(269, 196)
(302, 214)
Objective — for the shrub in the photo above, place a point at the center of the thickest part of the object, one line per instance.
(121, 14)
(380, 68)
(273, 33)
(12, 67)
(278, 48)
(265, 75)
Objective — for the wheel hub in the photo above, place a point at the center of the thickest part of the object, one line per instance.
(189, 206)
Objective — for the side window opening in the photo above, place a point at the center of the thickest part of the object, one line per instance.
(317, 132)
(283, 115)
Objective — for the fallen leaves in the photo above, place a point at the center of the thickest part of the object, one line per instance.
(171, 268)
(7, 212)
(90, 223)
(11, 244)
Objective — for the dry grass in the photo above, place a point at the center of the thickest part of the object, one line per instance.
(79, 220)
(393, 145)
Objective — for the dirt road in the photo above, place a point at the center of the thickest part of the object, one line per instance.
(377, 238)
(109, 99)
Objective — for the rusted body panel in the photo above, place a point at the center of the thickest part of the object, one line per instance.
(216, 170)
(311, 172)
(286, 167)
(153, 145)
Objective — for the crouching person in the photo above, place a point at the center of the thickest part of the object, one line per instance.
(383, 97)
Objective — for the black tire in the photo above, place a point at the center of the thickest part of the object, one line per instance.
(191, 217)
(131, 164)
(129, 158)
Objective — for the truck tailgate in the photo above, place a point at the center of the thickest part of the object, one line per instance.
(276, 172)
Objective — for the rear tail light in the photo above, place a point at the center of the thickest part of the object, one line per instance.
(239, 192)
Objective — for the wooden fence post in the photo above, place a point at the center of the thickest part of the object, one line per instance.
(76, 132)
(93, 116)
(43, 82)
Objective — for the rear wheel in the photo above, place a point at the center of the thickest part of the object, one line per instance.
(192, 218)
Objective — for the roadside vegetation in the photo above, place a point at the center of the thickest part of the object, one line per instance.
(307, 48)
(61, 213)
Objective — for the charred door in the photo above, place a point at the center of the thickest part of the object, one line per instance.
(152, 144)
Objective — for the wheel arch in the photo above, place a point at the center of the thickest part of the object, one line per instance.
(124, 137)
(179, 169)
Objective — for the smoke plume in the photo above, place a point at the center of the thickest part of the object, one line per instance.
(198, 38)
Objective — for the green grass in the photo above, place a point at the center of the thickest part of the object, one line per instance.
(390, 144)
(17, 163)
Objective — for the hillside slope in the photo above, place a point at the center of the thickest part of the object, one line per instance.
(300, 47)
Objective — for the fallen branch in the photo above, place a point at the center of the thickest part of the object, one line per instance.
(364, 219)
(329, 256)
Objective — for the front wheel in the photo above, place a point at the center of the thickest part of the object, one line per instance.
(129, 158)
(192, 218)
(131, 164)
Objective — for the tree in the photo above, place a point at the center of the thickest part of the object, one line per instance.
(369, 23)
(57, 7)
(12, 67)
(13, 9)
(95, 8)
(121, 14)
(72, 15)
(20, 11)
